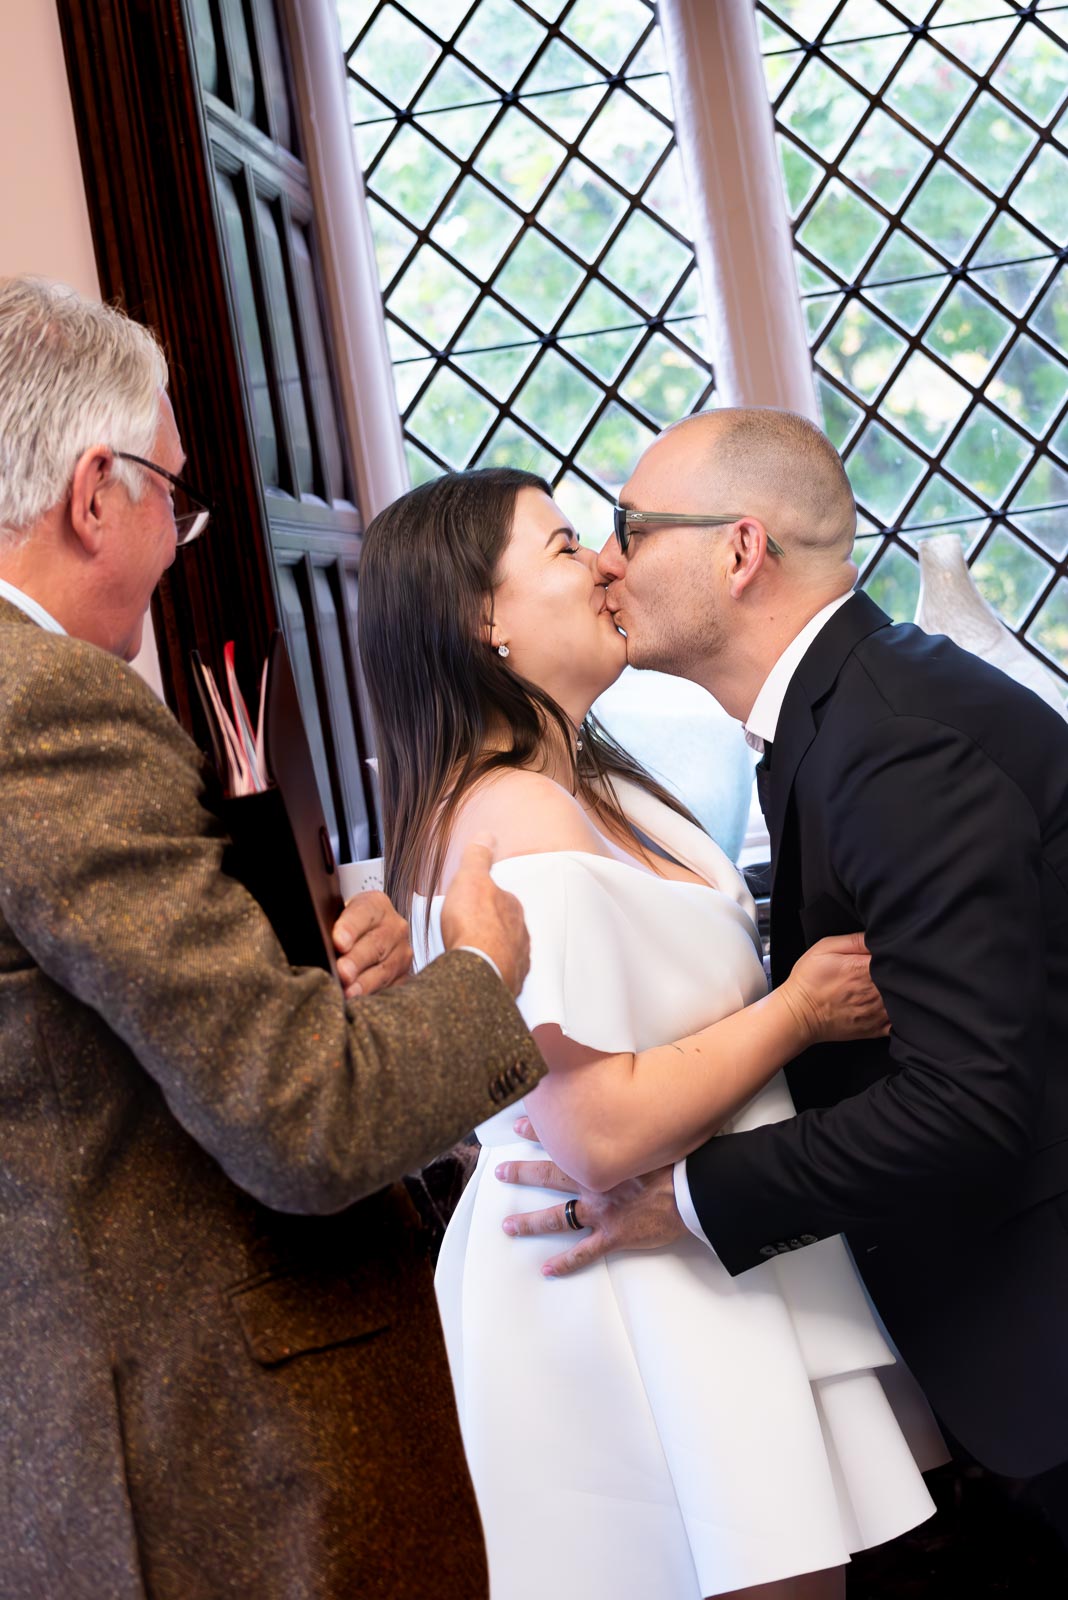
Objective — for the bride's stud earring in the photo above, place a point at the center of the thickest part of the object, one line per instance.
(503, 650)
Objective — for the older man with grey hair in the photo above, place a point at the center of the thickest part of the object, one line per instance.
(220, 1366)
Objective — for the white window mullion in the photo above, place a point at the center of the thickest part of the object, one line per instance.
(742, 238)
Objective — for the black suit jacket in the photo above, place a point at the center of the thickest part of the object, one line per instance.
(922, 796)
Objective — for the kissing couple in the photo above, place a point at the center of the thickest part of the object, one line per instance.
(712, 1405)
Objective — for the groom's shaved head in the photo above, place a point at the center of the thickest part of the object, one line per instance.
(773, 465)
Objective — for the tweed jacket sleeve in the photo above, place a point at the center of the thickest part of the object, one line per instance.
(112, 882)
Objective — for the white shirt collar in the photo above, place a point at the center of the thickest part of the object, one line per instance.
(32, 608)
(763, 721)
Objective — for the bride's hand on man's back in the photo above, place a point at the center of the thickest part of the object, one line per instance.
(831, 993)
(478, 914)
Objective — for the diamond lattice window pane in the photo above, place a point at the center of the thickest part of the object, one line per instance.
(408, 379)
(943, 508)
(556, 400)
(432, 296)
(666, 195)
(840, 415)
(885, 160)
(512, 446)
(414, 174)
(1034, 73)
(1046, 485)
(1039, 195)
(498, 370)
(559, 67)
(968, 333)
(453, 85)
(394, 56)
(476, 228)
(421, 467)
(538, 279)
(520, 158)
(452, 417)
(371, 119)
(841, 229)
(800, 174)
(1049, 631)
(686, 321)
(613, 446)
(978, 43)
(904, 281)
(582, 209)
(988, 455)
(928, 91)
(393, 241)
(822, 109)
(883, 472)
(1050, 316)
(625, 141)
(991, 141)
(862, 350)
(1030, 385)
(607, 29)
(500, 39)
(948, 212)
(646, 262)
(588, 510)
(872, 43)
(1010, 576)
(568, 111)
(925, 402)
(895, 585)
(664, 382)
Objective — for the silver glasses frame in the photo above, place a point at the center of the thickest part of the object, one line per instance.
(624, 519)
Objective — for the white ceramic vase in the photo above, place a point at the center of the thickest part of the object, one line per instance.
(951, 604)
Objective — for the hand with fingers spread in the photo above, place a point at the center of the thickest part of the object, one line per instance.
(477, 913)
(373, 944)
(638, 1214)
(831, 994)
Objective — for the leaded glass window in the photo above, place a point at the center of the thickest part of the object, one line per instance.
(924, 153)
(526, 197)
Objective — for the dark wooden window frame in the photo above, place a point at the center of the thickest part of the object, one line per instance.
(148, 136)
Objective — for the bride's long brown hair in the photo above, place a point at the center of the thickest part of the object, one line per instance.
(441, 698)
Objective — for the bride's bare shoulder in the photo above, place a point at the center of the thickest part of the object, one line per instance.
(526, 813)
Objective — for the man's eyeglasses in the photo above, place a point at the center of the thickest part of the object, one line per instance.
(624, 521)
(192, 512)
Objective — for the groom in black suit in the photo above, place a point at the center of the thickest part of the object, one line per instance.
(913, 792)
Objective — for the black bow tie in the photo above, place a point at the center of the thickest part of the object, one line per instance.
(763, 779)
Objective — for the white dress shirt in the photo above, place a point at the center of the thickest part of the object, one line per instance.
(760, 728)
(32, 608)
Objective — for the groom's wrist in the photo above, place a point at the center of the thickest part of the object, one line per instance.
(684, 1202)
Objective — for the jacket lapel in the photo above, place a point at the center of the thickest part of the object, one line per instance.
(813, 680)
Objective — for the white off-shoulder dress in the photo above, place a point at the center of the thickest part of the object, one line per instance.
(652, 1428)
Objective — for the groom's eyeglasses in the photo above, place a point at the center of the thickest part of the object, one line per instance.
(192, 512)
(624, 521)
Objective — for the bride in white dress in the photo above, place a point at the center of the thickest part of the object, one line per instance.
(651, 1429)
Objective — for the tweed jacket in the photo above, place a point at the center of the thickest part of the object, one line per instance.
(221, 1372)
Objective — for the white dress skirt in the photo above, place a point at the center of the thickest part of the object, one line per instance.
(652, 1428)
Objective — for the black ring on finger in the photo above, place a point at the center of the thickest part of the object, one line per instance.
(570, 1217)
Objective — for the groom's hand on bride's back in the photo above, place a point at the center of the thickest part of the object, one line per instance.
(479, 915)
(639, 1214)
(373, 944)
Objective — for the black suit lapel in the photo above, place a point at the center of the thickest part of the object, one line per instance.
(813, 680)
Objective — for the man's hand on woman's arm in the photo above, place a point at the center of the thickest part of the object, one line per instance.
(639, 1214)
